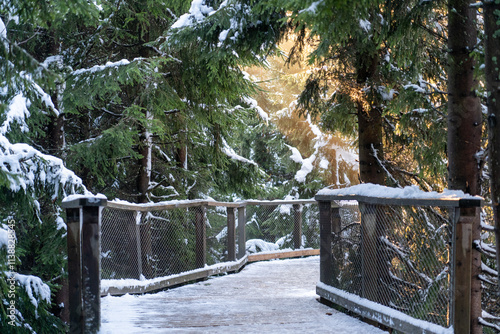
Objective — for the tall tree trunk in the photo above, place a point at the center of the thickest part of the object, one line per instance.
(144, 177)
(56, 125)
(143, 185)
(181, 156)
(370, 136)
(464, 125)
(145, 162)
(370, 143)
(56, 133)
(492, 50)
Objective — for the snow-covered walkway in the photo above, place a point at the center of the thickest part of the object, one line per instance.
(265, 297)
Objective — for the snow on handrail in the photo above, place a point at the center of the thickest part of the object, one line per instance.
(124, 205)
(412, 195)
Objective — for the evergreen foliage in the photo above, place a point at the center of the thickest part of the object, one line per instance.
(363, 59)
(32, 183)
(147, 101)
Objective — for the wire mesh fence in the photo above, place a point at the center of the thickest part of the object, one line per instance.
(150, 244)
(143, 244)
(282, 226)
(397, 256)
(490, 287)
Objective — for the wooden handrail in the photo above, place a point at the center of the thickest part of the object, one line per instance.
(168, 205)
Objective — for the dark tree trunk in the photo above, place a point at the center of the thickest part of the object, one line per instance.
(56, 133)
(56, 125)
(464, 109)
(144, 177)
(369, 124)
(370, 143)
(492, 60)
(181, 157)
(464, 125)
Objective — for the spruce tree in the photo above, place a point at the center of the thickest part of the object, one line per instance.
(365, 69)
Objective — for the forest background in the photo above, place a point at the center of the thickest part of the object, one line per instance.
(157, 100)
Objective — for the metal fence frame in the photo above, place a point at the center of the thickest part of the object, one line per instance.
(84, 215)
(236, 239)
(464, 211)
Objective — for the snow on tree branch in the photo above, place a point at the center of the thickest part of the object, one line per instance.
(196, 14)
(16, 112)
(24, 167)
(233, 155)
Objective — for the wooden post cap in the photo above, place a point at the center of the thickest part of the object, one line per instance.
(78, 201)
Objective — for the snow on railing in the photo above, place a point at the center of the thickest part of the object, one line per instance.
(140, 248)
(403, 249)
(147, 241)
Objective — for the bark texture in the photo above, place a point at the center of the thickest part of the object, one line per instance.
(370, 135)
(464, 125)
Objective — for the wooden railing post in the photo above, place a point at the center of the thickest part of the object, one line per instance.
(242, 222)
(337, 255)
(84, 262)
(231, 234)
(464, 217)
(369, 271)
(326, 273)
(138, 217)
(201, 236)
(146, 246)
(297, 226)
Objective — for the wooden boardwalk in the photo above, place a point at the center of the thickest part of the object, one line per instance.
(265, 297)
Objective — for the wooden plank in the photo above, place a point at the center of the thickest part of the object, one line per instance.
(377, 312)
(462, 270)
(326, 273)
(171, 205)
(279, 202)
(282, 255)
(242, 222)
(74, 270)
(231, 234)
(175, 280)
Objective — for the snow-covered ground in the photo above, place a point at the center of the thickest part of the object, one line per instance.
(265, 297)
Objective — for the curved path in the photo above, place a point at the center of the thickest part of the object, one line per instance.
(265, 297)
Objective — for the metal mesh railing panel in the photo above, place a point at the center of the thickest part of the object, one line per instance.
(397, 256)
(490, 287)
(216, 224)
(346, 246)
(118, 244)
(148, 244)
(275, 227)
(310, 226)
(158, 243)
(168, 242)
